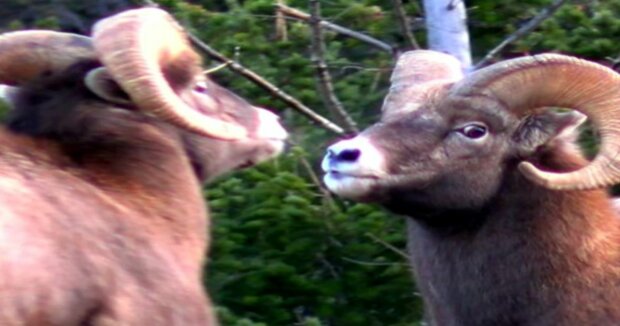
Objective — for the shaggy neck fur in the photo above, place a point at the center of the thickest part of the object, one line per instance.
(531, 256)
(140, 167)
(127, 155)
(69, 157)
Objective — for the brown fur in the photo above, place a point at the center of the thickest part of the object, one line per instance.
(54, 265)
(542, 257)
(103, 220)
(488, 246)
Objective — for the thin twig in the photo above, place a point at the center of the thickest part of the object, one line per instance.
(375, 81)
(260, 81)
(388, 246)
(524, 30)
(215, 69)
(266, 85)
(315, 179)
(372, 263)
(330, 267)
(298, 14)
(324, 81)
(403, 21)
(232, 279)
(281, 31)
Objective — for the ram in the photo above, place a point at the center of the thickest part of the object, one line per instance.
(102, 219)
(509, 223)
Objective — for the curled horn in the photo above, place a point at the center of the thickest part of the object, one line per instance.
(417, 72)
(526, 84)
(26, 55)
(135, 46)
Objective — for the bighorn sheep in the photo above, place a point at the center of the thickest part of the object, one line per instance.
(510, 224)
(101, 161)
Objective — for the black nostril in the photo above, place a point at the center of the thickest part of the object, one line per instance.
(349, 155)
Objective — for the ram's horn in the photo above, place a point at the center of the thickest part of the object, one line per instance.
(525, 84)
(26, 55)
(136, 46)
(415, 74)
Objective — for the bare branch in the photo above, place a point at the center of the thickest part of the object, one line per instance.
(266, 85)
(332, 270)
(281, 32)
(317, 182)
(388, 246)
(260, 81)
(298, 14)
(524, 30)
(215, 69)
(372, 263)
(325, 85)
(403, 21)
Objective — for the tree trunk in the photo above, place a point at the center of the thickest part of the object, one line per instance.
(446, 25)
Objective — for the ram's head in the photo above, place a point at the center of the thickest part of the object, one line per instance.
(446, 140)
(140, 61)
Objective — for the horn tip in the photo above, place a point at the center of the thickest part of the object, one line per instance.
(555, 181)
(537, 176)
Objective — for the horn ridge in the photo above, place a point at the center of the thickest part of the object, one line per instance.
(415, 73)
(25, 55)
(549, 80)
(136, 60)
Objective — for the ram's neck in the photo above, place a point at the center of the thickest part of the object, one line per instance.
(139, 174)
(529, 259)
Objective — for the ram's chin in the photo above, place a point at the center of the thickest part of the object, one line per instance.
(273, 148)
(350, 187)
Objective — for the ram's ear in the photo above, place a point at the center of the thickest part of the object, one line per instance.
(542, 128)
(103, 85)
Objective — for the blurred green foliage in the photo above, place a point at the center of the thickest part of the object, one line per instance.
(4, 108)
(284, 252)
(585, 28)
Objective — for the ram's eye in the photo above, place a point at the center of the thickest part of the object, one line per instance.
(201, 86)
(473, 131)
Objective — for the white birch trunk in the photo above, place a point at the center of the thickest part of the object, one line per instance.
(446, 25)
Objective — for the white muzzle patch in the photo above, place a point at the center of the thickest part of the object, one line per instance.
(352, 167)
(270, 129)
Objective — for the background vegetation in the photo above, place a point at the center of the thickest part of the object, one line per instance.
(284, 251)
